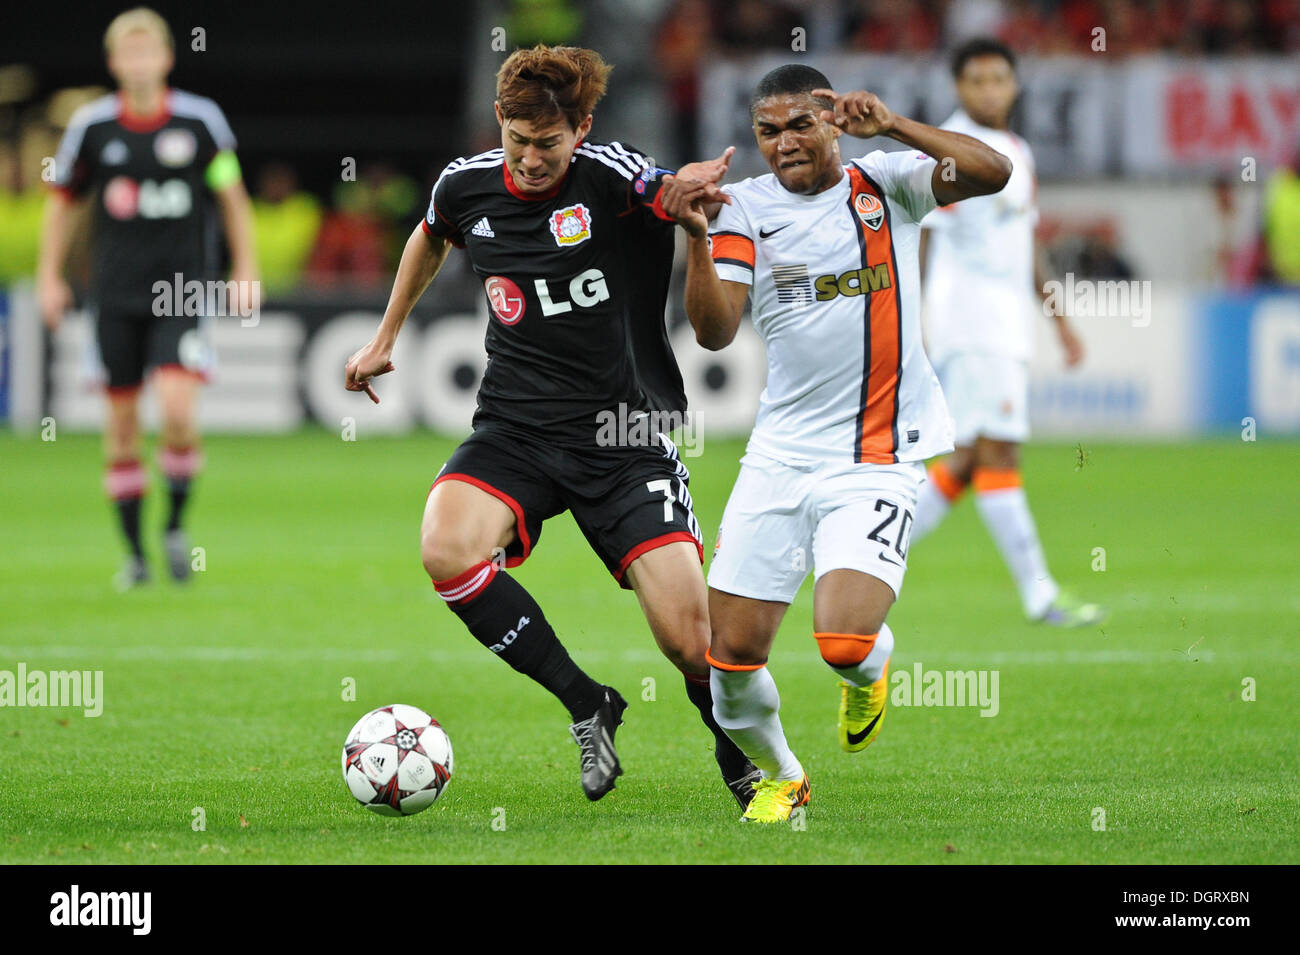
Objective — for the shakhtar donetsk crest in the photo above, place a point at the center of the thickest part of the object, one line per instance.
(571, 225)
(869, 210)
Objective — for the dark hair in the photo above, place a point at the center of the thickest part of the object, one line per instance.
(551, 82)
(980, 46)
(791, 78)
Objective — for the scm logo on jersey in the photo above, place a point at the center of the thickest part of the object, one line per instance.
(853, 282)
(571, 225)
(869, 210)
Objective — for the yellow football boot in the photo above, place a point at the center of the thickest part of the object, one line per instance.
(775, 799)
(862, 711)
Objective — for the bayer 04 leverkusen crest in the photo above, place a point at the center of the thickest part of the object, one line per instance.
(571, 225)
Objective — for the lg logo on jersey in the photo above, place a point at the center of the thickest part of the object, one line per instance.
(585, 290)
(507, 300)
(124, 198)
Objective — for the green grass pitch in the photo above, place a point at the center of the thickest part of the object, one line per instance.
(228, 694)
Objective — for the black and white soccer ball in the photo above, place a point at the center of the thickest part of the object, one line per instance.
(397, 760)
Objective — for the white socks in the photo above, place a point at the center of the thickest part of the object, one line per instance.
(746, 705)
(872, 666)
(1005, 512)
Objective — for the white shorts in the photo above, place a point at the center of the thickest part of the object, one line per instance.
(988, 396)
(781, 521)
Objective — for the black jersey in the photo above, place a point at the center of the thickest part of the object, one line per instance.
(575, 291)
(153, 213)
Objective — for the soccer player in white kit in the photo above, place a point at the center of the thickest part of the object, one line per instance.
(980, 268)
(828, 252)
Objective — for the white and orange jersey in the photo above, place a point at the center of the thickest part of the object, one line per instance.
(836, 299)
(979, 272)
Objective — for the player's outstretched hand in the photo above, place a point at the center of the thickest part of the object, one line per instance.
(370, 362)
(711, 172)
(859, 113)
(683, 199)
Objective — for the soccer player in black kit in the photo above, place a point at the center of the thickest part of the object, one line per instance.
(574, 251)
(156, 161)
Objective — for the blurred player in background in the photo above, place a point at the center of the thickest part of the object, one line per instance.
(574, 251)
(149, 157)
(980, 272)
(851, 408)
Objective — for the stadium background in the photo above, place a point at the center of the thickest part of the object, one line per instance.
(1166, 134)
(226, 695)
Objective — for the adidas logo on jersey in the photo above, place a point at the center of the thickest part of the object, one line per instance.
(483, 229)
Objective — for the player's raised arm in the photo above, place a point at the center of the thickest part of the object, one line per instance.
(713, 306)
(967, 167)
(421, 259)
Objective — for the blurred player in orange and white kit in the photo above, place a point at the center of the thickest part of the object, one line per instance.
(980, 268)
(828, 252)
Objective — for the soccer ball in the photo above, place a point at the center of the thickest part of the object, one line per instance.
(397, 760)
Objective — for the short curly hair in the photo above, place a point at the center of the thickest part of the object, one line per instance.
(551, 82)
(791, 78)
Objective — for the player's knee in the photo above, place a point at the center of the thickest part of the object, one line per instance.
(687, 647)
(448, 551)
(844, 649)
(960, 467)
(122, 434)
(122, 437)
(733, 651)
(998, 454)
(178, 429)
(683, 658)
(443, 555)
(694, 644)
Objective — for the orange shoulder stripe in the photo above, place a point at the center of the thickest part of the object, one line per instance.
(732, 246)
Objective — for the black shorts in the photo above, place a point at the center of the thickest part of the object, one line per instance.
(132, 341)
(625, 500)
